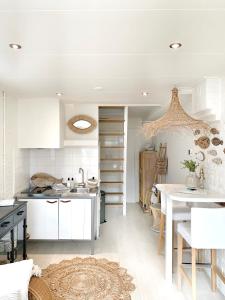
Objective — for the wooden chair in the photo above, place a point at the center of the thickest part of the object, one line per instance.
(39, 290)
(205, 231)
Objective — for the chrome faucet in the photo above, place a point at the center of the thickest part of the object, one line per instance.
(81, 183)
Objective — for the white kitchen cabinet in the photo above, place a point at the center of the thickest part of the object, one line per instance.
(42, 218)
(39, 123)
(75, 219)
(65, 219)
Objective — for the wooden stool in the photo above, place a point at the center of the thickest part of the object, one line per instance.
(180, 213)
(205, 231)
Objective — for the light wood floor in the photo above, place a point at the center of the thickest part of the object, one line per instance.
(129, 241)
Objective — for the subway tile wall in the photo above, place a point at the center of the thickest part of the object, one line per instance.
(64, 163)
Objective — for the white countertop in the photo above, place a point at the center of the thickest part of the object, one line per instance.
(179, 192)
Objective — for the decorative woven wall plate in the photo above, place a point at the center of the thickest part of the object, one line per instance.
(197, 132)
(216, 141)
(212, 152)
(203, 142)
(217, 160)
(214, 131)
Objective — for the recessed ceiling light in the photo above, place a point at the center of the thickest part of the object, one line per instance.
(59, 94)
(98, 88)
(175, 45)
(145, 94)
(15, 46)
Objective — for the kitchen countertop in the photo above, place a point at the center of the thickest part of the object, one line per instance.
(51, 194)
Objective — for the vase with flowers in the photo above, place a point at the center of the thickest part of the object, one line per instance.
(191, 179)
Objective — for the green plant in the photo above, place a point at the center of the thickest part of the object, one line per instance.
(190, 165)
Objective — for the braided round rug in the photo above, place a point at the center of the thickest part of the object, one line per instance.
(88, 279)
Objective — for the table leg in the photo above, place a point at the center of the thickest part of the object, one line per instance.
(24, 239)
(12, 257)
(169, 242)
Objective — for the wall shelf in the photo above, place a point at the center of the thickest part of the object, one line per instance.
(111, 133)
(111, 159)
(113, 147)
(111, 171)
(111, 182)
(115, 204)
(113, 193)
(113, 136)
(112, 120)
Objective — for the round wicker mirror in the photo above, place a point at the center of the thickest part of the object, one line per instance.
(82, 124)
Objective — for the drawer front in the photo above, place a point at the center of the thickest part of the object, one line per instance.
(19, 214)
(6, 225)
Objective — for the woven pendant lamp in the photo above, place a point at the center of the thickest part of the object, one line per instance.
(175, 117)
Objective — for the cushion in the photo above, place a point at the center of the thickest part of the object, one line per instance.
(181, 213)
(184, 229)
(14, 279)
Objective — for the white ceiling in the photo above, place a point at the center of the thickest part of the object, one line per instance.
(121, 45)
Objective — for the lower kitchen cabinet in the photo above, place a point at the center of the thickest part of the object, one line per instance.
(53, 219)
(42, 218)
(75, 219)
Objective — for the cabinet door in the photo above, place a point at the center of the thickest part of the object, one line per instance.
(65, 219)
(77, 227)
(75, 219)
(42, 219)
(87, 219)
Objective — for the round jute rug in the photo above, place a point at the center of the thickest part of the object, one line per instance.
(88, 279)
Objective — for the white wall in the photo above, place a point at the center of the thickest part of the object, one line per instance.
(178, 144)
(135, 144)
(14, 163)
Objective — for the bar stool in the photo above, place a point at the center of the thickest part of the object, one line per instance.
(180, 213)
(205, 231)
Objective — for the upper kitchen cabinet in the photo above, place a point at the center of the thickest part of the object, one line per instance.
(39, 123)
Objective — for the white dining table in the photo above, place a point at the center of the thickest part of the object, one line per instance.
(174, 193)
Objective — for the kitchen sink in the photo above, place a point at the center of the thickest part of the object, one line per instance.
(80, 190)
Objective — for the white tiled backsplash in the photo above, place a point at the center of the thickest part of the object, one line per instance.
(64, 163)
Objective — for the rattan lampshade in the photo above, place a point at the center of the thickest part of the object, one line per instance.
(175, 117)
